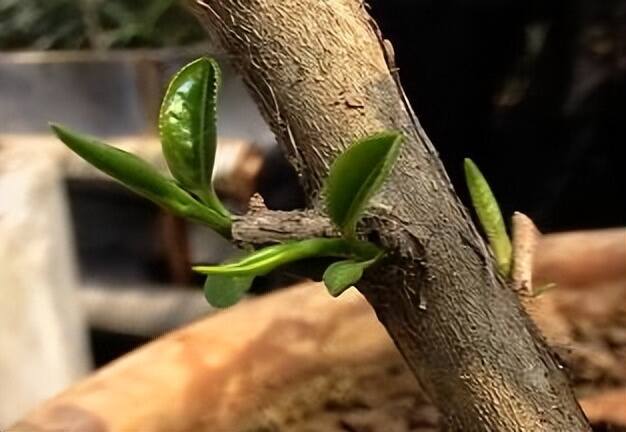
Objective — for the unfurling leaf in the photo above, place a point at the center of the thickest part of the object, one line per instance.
(489, 216)
(224, 291)
(142, 178)
(187, 125)
(356, 175)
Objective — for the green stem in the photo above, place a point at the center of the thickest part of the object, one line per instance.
(208, 216)
(210, 199)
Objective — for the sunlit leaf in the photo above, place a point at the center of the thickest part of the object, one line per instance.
(356, 175)
(187, 125)
(489, 215)
(142, 178)
(224, 291)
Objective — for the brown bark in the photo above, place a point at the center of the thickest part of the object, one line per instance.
(323, 77)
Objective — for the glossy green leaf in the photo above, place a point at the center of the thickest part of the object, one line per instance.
(489, 215)
(187, 125)
(342, 275)
(266, 260)
(356, 175)
(224, 291)
(142, 178)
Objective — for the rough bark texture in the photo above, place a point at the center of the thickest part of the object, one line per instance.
(267, 226)
(323, 77)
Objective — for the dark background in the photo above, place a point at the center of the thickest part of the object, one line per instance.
(534, 92)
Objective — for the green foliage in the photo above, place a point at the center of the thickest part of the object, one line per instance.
(354, 178)
(97, 24)
(224, 291)
(356, 175)
(142, 178)
(187, 125)
(234, 279)
(144, 23)
(267, 259)
(342, 275)
(41, 24)
(188, 133)
(489, 215)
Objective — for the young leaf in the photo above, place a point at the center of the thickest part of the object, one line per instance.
(187, 125)
(266, 260)
(356, 175)
(224, 291)
(342, 275)
(227, 283)
(489, 216)
(142, 178)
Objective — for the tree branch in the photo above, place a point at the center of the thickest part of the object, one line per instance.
(323, 77)
(270, 226)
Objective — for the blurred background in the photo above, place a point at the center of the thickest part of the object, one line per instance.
(534, 92)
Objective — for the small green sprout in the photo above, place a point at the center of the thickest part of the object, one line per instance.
(266, 260)
(356, 175)
(490, 217)
(354, 178)
(340, 275)
(142, 178)
(187, 128)
(188, 133)
(224, 291)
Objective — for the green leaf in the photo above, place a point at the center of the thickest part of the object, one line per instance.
(356, 175)
(489, 216)
(142, 178)
(266, 260)
(224, 291)
(342, 275)
(226, 283)
(187, 125)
